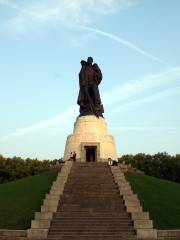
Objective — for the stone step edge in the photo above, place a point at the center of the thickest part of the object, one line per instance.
(142, 224)
(42, 221)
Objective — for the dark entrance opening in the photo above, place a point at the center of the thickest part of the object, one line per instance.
(91, 153)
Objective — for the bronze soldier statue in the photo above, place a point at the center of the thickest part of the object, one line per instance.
(89, 99)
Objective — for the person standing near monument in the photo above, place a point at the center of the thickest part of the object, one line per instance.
(89, 99)
(74, 156)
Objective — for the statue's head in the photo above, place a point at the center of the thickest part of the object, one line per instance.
(95, 66)
(83, 62)
(90, 60)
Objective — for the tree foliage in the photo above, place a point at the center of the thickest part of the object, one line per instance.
(160, 165)
(16, 167)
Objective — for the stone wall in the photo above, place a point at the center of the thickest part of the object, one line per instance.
(127, 168)
(90, 130)
(168, 234)
(13, 234)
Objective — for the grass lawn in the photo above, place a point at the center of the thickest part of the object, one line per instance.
(20, 199)
(159, 197)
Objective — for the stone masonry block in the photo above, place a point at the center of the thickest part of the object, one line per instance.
(126, 192)
(120, 182)
(139, 216)
(131, 198)
(60, 182)
(56, 192)
(37, 234)
(119, 177)
(48, 209)
(144, 224)
(52, 197)
(146, 234)
(132, 203)
(40, 224)
(128, 188)
(117, 174)
(11, 234)
(43, 215)
(124, 184)
(58, 185)
(132, 209)
(169, 234)
(50, 203)
(57, 189)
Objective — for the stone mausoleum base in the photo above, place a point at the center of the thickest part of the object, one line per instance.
(90, 140)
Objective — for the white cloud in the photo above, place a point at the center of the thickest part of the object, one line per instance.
(60, 119)
(66, 12)
(76, 14)
(123, 42)
(145, 100)
(141, 86)
(120, 94)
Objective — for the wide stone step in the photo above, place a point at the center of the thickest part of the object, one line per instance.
(90, 166)
(12, 238)
(91, 232)
(96, 193)
(91, 199)
(85, 237)
(84, 216)
(92, 237)
(102, 172)
(98, 201)
(91, 187)
(85, 188)
(93, 203)
(94, 215)
(90, 174)
(92, 222)
(93, 176)
(91, 181)
(119, 222)
(93, 229)
(91, 209)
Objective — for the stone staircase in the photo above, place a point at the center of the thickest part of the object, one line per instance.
(91, 207)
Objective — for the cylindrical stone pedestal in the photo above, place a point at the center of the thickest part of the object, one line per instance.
(90, 140)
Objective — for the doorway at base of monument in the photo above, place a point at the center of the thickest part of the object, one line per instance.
(90, 151)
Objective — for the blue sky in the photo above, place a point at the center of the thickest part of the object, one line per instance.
(136, 44)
